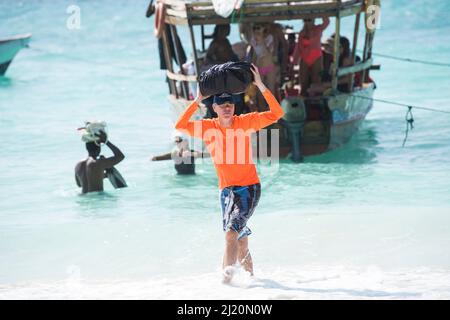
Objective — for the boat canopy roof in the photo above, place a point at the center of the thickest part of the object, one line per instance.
(181, 12)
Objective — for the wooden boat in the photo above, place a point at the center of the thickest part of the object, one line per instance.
(325, 122)
(9, 47)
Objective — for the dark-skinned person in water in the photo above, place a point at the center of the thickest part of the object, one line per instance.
(90, 172)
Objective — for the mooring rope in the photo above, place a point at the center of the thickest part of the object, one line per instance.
(409, 116)
(402, 104)
(432, 63)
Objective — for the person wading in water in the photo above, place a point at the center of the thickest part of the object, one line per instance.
(228, 140)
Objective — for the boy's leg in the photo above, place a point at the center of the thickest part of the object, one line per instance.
(231, 248)
(244, 256)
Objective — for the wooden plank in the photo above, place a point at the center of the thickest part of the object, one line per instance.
(208, 16)
(283, 14)
(355, 68)
(176, 13)
(175, 3)
(277, 9)
(269, 18)
(175, 20)
(180, 77)
(261, 7)
(265, 2)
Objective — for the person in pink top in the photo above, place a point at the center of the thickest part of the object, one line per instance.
(308, 51)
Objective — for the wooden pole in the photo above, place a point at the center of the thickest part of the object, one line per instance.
(184, 86)
(337, 42)
(203, 37)
(355, 42)
(367, 46)
(168, 59)
(194, 48)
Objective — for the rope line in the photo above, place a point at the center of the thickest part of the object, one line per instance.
(409, 118)
(402, 104)
(441, 64)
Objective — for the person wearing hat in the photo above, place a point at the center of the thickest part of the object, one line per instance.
(89, 173)
(228, 140)
(182, 155)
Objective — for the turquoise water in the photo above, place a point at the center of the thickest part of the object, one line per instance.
(370, 203)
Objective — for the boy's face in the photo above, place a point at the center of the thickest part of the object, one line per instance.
(224, 111)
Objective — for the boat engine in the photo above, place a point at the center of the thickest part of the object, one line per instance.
(294, 119)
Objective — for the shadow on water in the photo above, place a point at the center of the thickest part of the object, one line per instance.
(97, 205)
(361, 149)
(365, 293)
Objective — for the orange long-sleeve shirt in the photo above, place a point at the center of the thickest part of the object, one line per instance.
(230, 148)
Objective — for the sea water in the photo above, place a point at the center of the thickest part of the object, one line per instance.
(369, 220)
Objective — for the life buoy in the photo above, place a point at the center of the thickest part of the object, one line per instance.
(160, 15)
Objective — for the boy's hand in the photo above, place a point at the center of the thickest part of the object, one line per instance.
(200, 97)
(257, 78)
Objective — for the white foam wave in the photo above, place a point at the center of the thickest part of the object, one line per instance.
(306, 283)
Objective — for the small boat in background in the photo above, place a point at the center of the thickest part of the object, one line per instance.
(9, 48)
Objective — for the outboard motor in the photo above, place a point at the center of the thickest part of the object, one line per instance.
(294, 119)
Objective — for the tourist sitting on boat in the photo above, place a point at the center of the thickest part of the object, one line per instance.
(182, 155)
(220, 50)
(345, 60)
(308, 51)
(264, 56)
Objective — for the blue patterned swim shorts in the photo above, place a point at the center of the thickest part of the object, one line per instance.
(238, 204)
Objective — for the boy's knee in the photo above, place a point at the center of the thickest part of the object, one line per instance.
(243, 243)
(231, 236)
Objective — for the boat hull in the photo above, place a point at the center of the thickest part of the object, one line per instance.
(340, 118)
(352, 109)
(9, 48)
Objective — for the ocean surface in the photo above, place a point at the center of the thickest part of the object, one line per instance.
(369, 220)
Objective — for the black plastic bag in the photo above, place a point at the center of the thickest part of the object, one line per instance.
(230, 77)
